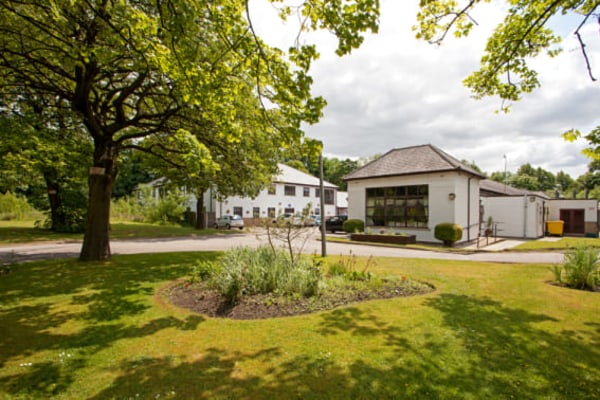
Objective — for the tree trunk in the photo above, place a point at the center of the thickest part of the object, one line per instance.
(96, 243)
(57, 216)
(200, 214)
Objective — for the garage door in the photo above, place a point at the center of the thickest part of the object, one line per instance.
(574, 221)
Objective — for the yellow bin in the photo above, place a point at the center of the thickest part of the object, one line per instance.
(555, 227)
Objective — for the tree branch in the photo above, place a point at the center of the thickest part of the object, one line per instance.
(582, 44)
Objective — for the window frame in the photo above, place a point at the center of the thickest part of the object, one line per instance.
(289, 190)
(397, 206)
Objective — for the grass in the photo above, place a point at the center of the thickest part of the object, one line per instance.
(562, 244)
(24, 232)
(71, 330)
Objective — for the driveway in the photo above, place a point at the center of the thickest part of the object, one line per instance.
(39, 251)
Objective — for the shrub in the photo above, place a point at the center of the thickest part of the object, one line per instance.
(202, 271)
(346, 268)
(168, 209)
(127, 208)
(448, 233)
(580, 269)
(353, 226)
(14, 207)
(71, 215)
(247, 271)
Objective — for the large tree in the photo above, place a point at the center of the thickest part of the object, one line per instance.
(36, 163)
(135, 69)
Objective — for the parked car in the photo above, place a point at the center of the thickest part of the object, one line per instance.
(335, 223)
(229, 221)
(287, 217)
(313, 220)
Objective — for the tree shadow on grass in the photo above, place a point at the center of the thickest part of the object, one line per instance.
(480, 348)
(99, 298)
(505, 343)
(483, 350)
(212, 375)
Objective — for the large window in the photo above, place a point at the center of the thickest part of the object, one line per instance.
(398, 206)
(238, 211)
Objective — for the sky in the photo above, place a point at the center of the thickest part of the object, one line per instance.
(396, 91)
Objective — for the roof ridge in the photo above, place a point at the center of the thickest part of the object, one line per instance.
(412, 159)
(447, 157)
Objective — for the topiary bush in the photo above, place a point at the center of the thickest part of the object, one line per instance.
(448, 233)
(353, 226)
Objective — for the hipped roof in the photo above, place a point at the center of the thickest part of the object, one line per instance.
(410, 161)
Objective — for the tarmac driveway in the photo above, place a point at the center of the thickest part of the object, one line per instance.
(39, 251)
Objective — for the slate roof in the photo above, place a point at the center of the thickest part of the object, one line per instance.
(292, 175)
(490, 188)
(410, 161)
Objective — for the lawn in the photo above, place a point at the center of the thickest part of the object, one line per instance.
(71, 330)
(24, 231)
(561, 244)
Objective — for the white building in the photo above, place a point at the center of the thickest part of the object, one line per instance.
(292, 190)
(413, 189)
(523, 213)
(580, 217)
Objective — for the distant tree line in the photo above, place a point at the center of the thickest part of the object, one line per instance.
(560, 184)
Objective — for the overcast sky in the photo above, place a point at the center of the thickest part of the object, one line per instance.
(396, 91)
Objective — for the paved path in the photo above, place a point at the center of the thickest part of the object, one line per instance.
(25, 252)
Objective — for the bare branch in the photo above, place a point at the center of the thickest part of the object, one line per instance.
(582, 44)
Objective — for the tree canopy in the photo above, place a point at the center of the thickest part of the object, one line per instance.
(505, 69)
(523, 35)
(131, 70)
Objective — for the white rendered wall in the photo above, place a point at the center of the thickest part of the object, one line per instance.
(279, 201)
(518, 216)
(441, 207)
(590, 207)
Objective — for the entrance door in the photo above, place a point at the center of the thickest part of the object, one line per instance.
(574, 221)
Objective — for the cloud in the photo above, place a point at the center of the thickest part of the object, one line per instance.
(396, 91)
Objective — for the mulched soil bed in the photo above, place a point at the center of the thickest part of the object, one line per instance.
(196, 297)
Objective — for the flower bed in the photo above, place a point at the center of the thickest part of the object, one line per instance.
(385, 238)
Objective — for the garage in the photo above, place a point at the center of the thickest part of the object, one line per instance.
(574, 220)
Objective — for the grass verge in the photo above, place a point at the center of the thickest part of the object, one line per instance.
(74, 330)
(561, 244)
(24, 231)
